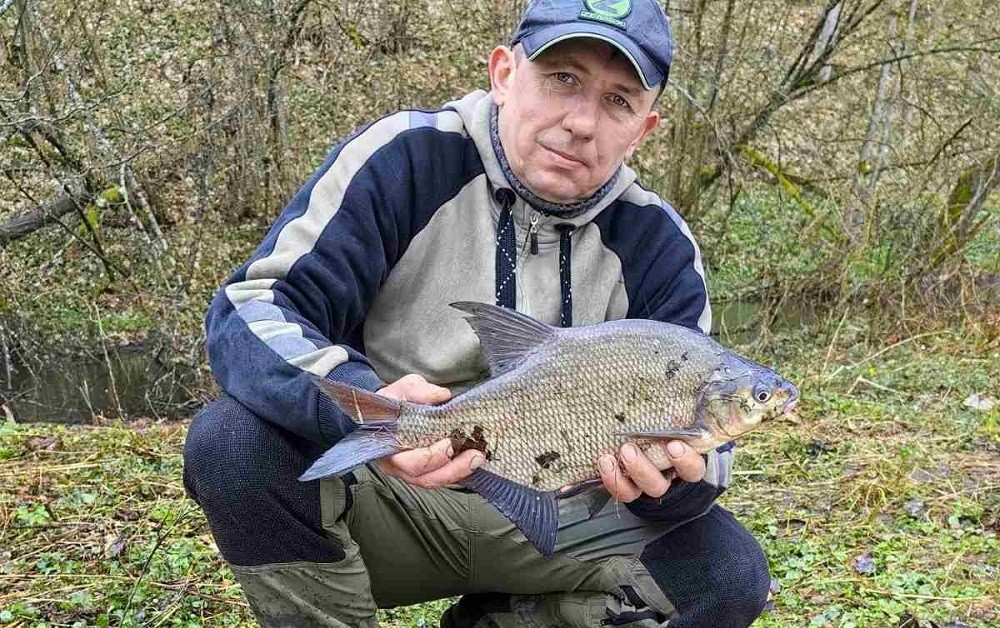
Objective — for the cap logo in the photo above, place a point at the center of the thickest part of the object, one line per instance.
(607, 11)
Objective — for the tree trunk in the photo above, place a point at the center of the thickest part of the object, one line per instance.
(679, 190)
(974, 186)
(875, 147)
(827, 39)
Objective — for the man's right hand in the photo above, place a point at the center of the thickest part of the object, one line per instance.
(434, 466)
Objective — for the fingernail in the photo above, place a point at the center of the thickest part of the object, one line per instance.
(450, 452)
(629, 452)
(676, 449)
(607, 464)
(476, 462)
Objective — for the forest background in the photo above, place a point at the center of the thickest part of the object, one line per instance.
(838, 161)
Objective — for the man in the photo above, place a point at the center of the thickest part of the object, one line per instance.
(520, 197)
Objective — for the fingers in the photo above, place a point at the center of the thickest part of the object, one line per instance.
(688, 463)
(416, 389)
(421, 460)
(618, 484)
(455, 472)
(656, 451)
(434, 466)
(646, 476)
(642, 472)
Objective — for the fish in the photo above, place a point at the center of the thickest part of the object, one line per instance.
(559, 398)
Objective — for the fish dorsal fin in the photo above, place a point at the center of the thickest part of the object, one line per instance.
(506, 336)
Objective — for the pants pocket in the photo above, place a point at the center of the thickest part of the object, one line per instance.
(636, 586)
(336, 496)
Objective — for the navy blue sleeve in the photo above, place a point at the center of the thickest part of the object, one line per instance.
(683, 502)
(296, 309)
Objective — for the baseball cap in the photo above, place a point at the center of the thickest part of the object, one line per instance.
(639, 28)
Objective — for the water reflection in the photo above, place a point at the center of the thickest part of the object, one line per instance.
(741, 322)
(75, 390)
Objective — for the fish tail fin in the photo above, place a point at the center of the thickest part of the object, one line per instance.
(377, 420)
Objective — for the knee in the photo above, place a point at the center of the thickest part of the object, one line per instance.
(226, 452)
(712, 570)
(742, 579)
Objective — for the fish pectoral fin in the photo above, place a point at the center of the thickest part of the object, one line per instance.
(596, 499)
(678, 434)
(576, 489)
(505, 336)
(593, 493)
(533, 512)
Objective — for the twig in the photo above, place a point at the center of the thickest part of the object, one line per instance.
(833, 341)
(8, 367)
(889, 348)
(915, 596)
(107, 362)
(149, 559)
(862, 380)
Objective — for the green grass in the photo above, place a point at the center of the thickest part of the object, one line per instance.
(887, 465)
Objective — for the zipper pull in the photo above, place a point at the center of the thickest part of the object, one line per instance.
(533, 234)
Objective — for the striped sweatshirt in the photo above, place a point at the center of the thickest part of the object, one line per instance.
(353, 280)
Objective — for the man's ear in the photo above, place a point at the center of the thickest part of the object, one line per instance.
(501, 67)
(651, 122)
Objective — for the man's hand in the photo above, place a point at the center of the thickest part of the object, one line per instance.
(642, 475)
(434, 466)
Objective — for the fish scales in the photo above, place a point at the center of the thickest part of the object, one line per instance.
(546, 422)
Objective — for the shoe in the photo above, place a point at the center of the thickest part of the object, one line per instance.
(472, 608)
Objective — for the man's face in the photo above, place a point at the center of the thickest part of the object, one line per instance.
(569, 118)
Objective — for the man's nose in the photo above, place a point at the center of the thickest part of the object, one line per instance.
(582, 118)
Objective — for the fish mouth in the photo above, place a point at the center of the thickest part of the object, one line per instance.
(791, 405)
(789, 411)
(793, 397)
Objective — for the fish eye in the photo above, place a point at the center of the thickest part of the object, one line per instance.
(762, 395)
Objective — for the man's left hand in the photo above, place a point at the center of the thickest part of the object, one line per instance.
(642, 475)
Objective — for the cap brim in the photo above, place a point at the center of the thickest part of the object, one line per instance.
(538, 42)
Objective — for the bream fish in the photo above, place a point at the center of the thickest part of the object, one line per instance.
(559, 398)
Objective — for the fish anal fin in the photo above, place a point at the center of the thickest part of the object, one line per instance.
(506, 336)
(533, 512)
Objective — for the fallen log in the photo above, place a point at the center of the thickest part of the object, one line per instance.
(32, 220)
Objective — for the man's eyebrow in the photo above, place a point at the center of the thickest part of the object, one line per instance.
(567, 61)
(628, 89)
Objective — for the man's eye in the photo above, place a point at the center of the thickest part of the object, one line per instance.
(619, 101)
(565, 77)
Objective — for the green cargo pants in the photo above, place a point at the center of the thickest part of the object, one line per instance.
(406, 545)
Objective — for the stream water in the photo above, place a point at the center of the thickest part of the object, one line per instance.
(76, 390)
